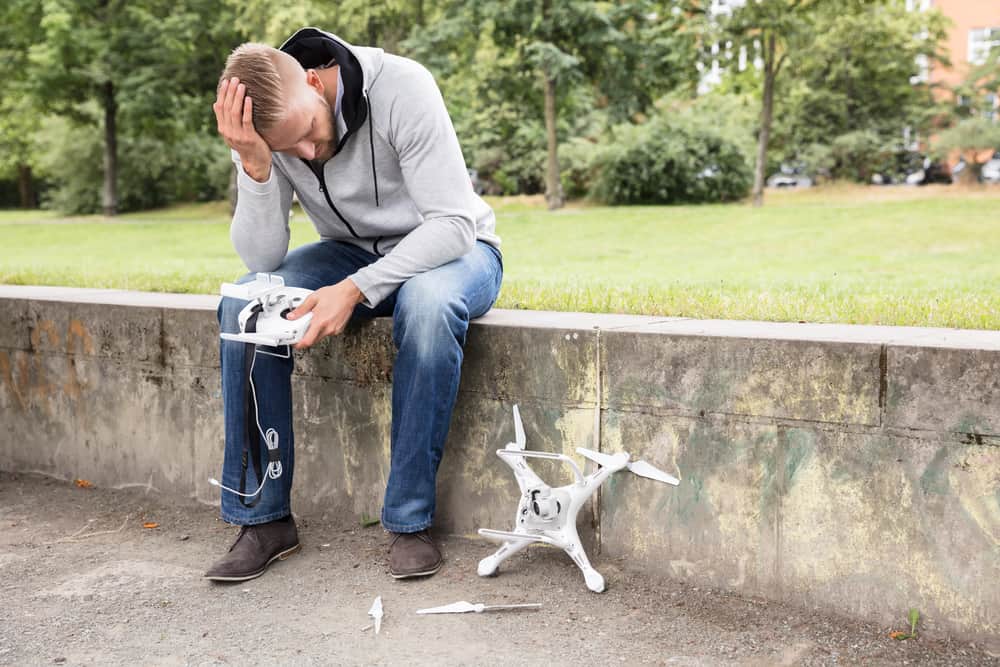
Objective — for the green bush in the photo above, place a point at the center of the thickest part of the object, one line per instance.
(151, 172)
(859, 154)
(673, 159)
(579, 164)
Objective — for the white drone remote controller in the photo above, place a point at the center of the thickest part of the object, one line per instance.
(262, 321)
(548, 515)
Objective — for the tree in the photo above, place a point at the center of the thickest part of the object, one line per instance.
(843, 92)
(19, 117)
(975, 130)
(774, 31)
(382, 23)
(146, 68)
(531, 60)
(975, 138)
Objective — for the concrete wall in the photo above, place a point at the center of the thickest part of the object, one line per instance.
(857, 468)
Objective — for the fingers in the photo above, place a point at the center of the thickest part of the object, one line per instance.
(304, 307)
(313, 334)
(247, 113)
(233, 111)
(236, 103)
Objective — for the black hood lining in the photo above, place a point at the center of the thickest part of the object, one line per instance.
(314, 49)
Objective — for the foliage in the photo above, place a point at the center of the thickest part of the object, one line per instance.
(981, 86)
(19, 113)
(152, 68)
(192, 168)
(675, 158)
(771, 30)
(386, 23)
(975, 138)
(840, 105)
(607, 61)
(842, 93)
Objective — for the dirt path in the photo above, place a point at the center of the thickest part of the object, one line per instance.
(83, 583)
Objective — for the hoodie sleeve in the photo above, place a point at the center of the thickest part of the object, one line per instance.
(437, 181)
(260, 231)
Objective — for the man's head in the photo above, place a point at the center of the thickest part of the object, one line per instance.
(290, 108)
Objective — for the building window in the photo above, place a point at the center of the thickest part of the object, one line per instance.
(981, 40)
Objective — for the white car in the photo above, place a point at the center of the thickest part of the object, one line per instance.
(991, 170)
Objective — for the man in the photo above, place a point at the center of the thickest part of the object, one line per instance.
(363, 139)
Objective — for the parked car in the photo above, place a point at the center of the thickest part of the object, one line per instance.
(789, 177)
(911, 168)
(931, 171)
(991, 170)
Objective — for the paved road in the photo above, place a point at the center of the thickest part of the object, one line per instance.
(82, 582)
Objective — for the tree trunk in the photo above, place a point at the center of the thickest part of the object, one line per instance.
(109, 196)
(553, 186)
(26, 186)
(419, 19)
(770, 74)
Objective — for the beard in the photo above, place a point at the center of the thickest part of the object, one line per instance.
(326, 150)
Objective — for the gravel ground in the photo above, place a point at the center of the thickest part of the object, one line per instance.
(82, 582)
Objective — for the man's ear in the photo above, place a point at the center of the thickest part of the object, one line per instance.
(314, 82)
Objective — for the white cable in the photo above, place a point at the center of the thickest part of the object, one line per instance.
(271, 439)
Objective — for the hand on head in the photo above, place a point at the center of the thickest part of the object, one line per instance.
(234, 118)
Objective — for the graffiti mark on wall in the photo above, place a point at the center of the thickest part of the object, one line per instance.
(35, 378)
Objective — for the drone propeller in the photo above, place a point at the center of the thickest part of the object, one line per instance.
(604, 460)
(519, 439)
(640, 468)
(644, 469)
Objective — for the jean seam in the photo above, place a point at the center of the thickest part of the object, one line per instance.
(404, 527)
(228, 517)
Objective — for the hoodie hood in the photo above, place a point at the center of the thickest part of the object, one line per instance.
(359, 67)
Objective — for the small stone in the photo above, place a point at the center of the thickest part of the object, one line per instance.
(184, 538)
(59, 661)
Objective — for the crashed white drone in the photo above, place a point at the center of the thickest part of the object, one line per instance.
(548, 515)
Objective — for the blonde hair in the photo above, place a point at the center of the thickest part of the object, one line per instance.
(259, 67)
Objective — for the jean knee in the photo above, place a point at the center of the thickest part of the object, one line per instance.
(429, 315)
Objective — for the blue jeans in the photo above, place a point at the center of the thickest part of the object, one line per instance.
(431, 314)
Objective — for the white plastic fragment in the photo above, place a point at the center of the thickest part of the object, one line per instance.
(464, 607)
(376, 613)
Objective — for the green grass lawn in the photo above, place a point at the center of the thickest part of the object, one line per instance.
(926, 257)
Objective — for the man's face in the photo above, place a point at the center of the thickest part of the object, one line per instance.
(308, 128)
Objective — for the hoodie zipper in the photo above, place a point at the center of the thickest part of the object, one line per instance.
(322, 188)
(320, 176)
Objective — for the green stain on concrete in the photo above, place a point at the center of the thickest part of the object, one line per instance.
(795, 449)
(799, 447)
(935, 477)
(689, 498)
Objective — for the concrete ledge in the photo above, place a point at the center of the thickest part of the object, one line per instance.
(853, 467)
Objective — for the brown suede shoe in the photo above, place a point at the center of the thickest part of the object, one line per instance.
(413, 555)
(255, 548)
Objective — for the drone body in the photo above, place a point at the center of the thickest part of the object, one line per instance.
(548, 515)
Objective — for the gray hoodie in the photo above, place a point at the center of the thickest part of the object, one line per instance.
(397, 185)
